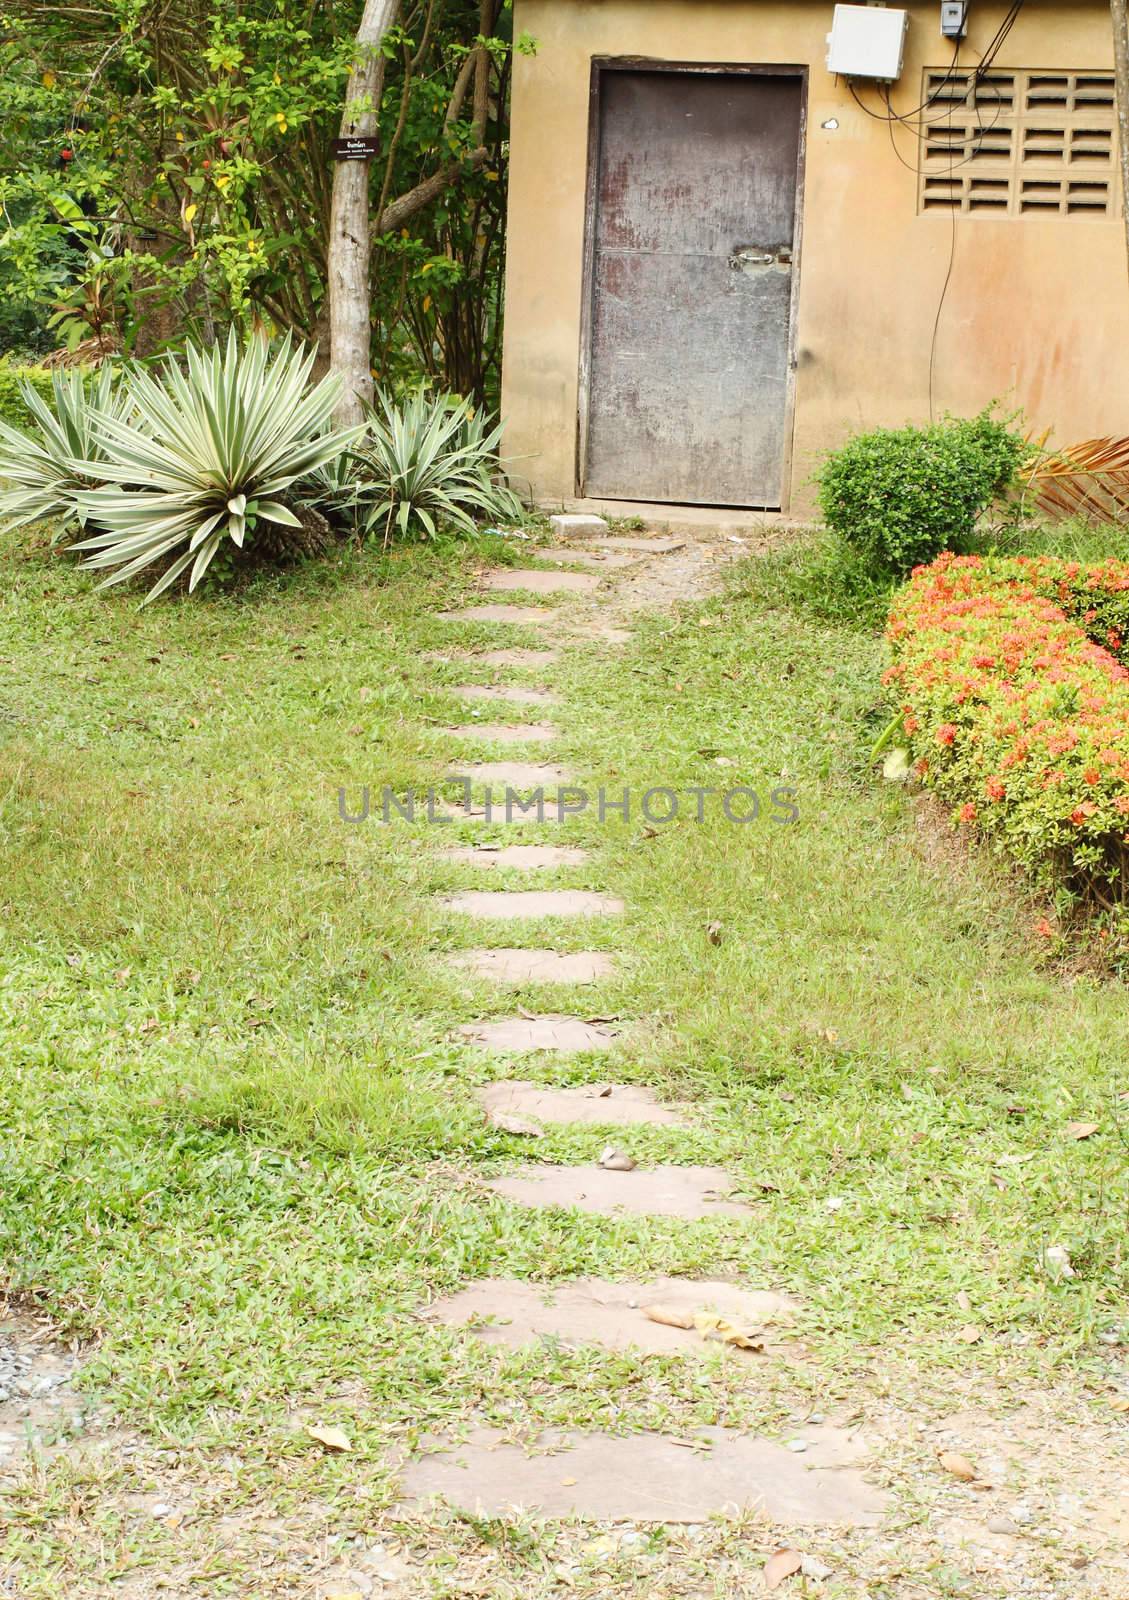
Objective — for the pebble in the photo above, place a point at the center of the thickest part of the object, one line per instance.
(1002, 1525)
(798, 1445)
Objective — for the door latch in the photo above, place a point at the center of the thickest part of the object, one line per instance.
(747, 257)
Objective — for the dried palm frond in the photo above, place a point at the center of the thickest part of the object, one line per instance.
(1089, 480)
(88, 353)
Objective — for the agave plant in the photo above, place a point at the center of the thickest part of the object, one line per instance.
(209, 453)
(432, 462)
(45, 470)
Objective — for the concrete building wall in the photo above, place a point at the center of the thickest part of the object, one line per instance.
(1037, 308)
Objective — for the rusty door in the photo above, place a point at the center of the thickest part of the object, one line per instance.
(692, 216)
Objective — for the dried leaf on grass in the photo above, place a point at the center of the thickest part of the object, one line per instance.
(330, 1438)
(957, 1466)
(711, 1326)
(1081, 1130)
(669, 1317)
(708, 1324)
(782, 1564)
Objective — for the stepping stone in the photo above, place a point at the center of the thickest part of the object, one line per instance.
(650, 547)
(577, 525)
(510, 1311)
(477, 812)
(516, 855)
(519, 1035)
(510, 904)
(521, 616)
(542, 582)
(531, 659)
(507, 732)
(516, 775)
(608, 559)
(687, 1192)
(501, 691)
(621, 1104)
(590, 629)
(537, 966)
(647, 1477)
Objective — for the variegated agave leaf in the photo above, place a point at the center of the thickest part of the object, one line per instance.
(212, 449)
(44, 470)
(1089, 480)
(432, 462)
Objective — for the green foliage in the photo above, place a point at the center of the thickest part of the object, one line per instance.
(902, 495)
(15, 380)
(433, 463)
(208, 129)
(43, 471)
(207, 455)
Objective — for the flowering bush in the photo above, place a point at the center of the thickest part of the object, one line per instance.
(1015, 703)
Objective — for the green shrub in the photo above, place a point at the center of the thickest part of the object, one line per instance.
(902, 495)
(13, 407)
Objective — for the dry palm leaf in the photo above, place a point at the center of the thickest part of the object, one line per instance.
(1088, 480)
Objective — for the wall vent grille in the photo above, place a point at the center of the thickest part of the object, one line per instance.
(1014, 144)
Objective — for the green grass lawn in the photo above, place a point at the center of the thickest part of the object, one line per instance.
(237, 1142)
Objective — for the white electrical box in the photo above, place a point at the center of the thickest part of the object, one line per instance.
(867, 42)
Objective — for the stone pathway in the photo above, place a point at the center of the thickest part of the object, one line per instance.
(858, 1493)
(591, 1474)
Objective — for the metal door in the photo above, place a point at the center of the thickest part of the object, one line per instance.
(692, 217)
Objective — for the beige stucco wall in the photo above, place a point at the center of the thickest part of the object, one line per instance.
(1037, 310)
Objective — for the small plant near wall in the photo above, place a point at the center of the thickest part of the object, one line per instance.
(899, 496)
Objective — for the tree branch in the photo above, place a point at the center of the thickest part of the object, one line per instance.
(398, 211)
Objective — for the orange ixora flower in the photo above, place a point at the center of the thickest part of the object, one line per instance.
(1029, 652)
(1044, 929)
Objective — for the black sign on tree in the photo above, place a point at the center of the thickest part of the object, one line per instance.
(360, 147)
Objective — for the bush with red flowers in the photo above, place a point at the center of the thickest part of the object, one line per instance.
(1015, 703)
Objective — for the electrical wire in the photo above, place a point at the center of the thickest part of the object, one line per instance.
(918, 124)
(943, 295)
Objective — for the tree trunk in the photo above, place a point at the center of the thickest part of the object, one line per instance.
(1118, 15)
(349, 236)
